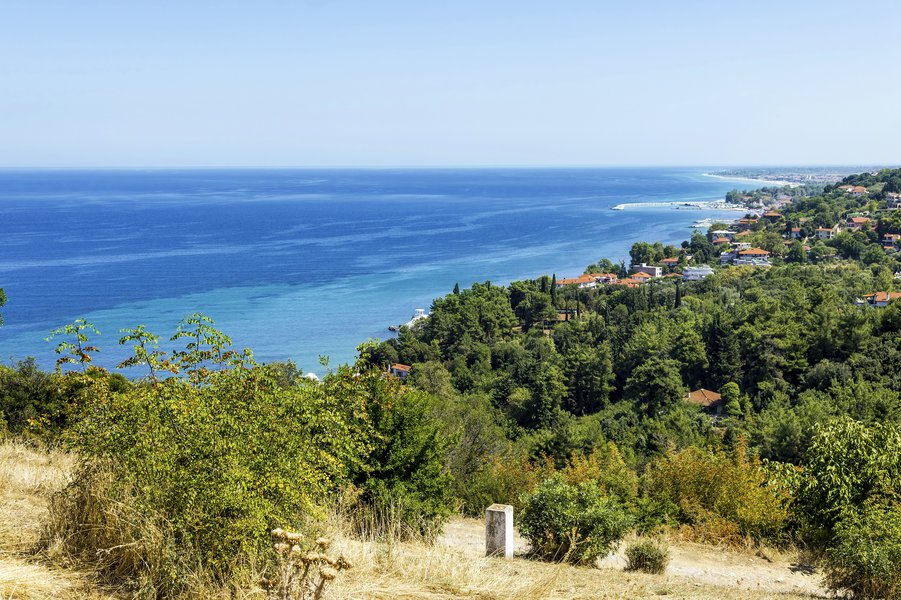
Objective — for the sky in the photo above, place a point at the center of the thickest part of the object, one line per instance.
(464, 83)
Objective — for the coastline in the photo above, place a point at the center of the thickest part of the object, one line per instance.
(712, 204)
(773, 182)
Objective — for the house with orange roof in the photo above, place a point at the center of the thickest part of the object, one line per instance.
(854, 190)
(756, 257)
(772, 215)
(583, 281)
(710, 401)
(400, 371)
(754, 253)
(881, 299)
(889, 240)
(857, 223)
(827, 233)
(670, 262)
(604, 277)
(795, 233)
(629, 282)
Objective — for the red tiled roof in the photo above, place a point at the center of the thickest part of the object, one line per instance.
(860, 220)
(883, 296)
(579, 279)
(400, 367)
(703, 397)
(670, 261)
(754, 252)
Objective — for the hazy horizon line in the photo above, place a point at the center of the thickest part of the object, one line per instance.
(448, 167)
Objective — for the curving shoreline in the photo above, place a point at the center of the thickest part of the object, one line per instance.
(774, 182)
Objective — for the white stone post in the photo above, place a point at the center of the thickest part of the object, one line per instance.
(499, 530)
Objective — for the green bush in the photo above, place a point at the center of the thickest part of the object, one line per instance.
(848, 465)
(223, 451)
(720, 496)
(865, 559)
(574, 523)
(649, 556)
(403, 474)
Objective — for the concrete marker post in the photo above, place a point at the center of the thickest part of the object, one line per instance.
(499, 530)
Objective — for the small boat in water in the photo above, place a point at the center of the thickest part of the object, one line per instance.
(418, 315)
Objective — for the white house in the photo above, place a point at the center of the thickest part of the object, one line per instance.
(826, 233)
(696, 273)
(651, 270)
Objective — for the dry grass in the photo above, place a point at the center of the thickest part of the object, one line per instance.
(403, 571)
(456, 568)
(27, 478)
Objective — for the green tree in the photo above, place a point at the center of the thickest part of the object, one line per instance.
(75, 347)
(731, 396)
(796, 253)
(655, 386)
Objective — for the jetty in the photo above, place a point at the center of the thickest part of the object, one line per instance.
(681, 204)
(418, 315)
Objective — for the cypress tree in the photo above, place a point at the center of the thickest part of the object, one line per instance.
(457, 288)
(554, 289)
(678, 295)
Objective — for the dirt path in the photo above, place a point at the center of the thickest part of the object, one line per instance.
(690, 563)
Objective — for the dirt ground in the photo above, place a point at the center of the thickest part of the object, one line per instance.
(690, 563)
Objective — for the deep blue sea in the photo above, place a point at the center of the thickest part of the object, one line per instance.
(301, 263)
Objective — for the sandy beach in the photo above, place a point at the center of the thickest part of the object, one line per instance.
(768, 182)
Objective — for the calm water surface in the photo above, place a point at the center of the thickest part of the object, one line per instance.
(301, 263)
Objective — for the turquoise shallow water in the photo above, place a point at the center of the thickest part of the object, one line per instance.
(301, 263)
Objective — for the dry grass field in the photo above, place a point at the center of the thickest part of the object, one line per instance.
(452, 568)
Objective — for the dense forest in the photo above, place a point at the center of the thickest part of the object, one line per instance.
(544, 394)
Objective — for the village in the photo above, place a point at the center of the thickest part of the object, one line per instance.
(739, 244)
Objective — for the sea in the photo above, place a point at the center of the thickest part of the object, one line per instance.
(305, 264)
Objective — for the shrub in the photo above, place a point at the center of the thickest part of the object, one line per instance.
(649, 556)
(575, 523)
(404, 473)
(606, 467)
(865, 559)
(505, 479)
(221, 453)
(847, 465)
(722, 496)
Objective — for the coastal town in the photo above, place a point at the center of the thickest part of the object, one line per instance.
(775, 229)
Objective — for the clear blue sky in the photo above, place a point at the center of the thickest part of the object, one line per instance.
(354, 83)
